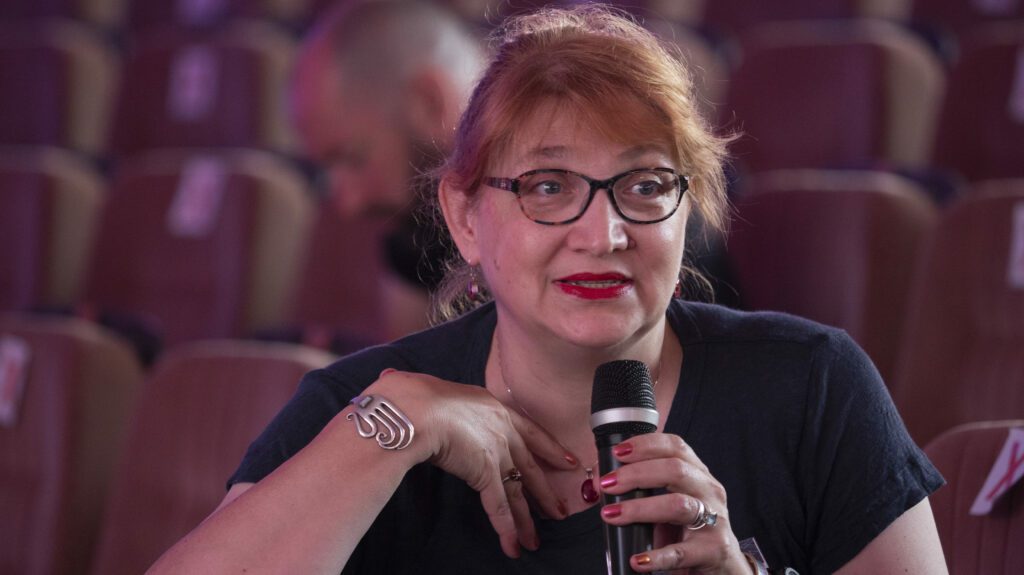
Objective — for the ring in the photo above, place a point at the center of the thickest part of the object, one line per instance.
(705, 517)
(513, 475)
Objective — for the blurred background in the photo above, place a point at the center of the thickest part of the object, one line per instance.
(172, 258)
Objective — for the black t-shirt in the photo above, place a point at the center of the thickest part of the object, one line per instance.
(790, 416)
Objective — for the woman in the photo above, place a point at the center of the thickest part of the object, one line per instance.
(578, 162)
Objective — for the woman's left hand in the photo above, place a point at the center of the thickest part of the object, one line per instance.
(665, 461)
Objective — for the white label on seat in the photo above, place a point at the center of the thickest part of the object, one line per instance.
(1015, 267)
(196, 205)
(193, 86)
(1007, 471)
(14, 356)
(1016, 104)
(200, 12)
(995, 7)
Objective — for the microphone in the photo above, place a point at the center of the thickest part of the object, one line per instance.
(621, 406)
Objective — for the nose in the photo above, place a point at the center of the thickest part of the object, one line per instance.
(600, 230)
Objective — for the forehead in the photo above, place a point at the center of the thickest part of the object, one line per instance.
(556, 131)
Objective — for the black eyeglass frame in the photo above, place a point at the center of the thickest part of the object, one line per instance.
(512, 185)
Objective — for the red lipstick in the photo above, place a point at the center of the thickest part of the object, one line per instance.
(593, 286)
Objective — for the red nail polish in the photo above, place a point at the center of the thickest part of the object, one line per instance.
(622, 449)
(386, 371)
(643, 559)
(609, 480)
(572, 460)
(563, 508)
(613, 510)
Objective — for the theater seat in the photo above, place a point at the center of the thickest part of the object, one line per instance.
(57, 452)
(106, 14)
(981, 128)
(976, 545)
(51, 203)
(959, 16)
(859, 94)
(201, 245)
(150, 14)
(961, 359)
(202, 406)
(835, 247)
(57, 83)
(217, 89)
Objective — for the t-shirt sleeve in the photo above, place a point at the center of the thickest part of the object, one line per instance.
(319, 397)
(862, 468)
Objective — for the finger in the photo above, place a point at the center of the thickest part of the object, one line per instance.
(541, 444)
(535, 481)
(527, 533)
(499, 512)
(671, 508)
(657, 446)
(682, 556)
(673, 474)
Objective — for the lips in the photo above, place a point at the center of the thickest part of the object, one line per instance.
(594, 286)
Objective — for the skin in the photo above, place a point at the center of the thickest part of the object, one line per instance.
(543, 335)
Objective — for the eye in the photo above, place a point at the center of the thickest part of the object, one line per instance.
(547, 188)
(647, 188)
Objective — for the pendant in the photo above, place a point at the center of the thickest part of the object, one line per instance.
(587, 490)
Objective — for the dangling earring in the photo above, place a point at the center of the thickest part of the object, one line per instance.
(678, 292)
(473, 290)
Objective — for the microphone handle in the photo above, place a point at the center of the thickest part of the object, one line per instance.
(622, 542)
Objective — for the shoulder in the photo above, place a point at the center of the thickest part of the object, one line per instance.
(453, 351)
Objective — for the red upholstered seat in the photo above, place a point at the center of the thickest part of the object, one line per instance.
(201, 246)
(836, 247)
(50, 204)
(958, 16)
(962, 358)
(144, 14)
(57, 455)
(217, 89)
(57, 81)
(985, 545)
(198, 412)
(837, 95)
(981, 128)
(104, 13)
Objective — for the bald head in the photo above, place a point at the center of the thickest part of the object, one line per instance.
(379, 86)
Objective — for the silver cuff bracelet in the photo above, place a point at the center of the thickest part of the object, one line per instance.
(376, 416)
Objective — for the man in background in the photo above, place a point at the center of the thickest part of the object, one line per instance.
(377, 93)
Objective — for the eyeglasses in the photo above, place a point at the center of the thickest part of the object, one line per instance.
(554, 197)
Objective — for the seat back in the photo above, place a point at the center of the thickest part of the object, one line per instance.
(835, 247)
(838, 95)
(216, 89)
(961, 360)
(201, 245)
(202, 406)
(58, 449)
(958, 16)
(981, 128)
(977, 545)
(51, 203)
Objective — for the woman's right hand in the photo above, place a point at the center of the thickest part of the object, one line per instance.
(465, 431)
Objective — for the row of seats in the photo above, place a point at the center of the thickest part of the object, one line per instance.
(897, 106)
(184, 246)
(722, 16)
(103, 469)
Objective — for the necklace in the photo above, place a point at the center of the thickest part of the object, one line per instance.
(587, 491)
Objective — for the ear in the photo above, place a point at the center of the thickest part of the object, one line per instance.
(460, 216)
(430, 105)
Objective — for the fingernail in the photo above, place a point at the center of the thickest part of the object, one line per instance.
(563, 508)
(387, 371)
(622, 449)
(613, 510)
(536, 543)
(643, 559)
(609, 480)
(572, 460)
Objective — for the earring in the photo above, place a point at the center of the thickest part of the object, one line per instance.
(678, 292)
(473, 289)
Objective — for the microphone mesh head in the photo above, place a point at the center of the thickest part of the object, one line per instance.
(622, 383)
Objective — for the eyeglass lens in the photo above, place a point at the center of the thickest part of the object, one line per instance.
(555, 196)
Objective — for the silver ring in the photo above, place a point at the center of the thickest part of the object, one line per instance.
(513, 475)
(705, 517)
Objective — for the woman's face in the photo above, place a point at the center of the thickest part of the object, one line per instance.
(597, 282)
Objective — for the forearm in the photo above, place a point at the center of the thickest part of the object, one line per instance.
(306, 517)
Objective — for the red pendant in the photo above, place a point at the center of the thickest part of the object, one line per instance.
(587, 491)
